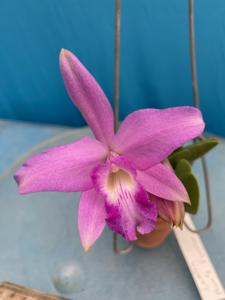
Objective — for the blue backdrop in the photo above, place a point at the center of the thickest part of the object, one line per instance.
(155, 69)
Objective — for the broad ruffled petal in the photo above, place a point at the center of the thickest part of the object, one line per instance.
(128, 207)
(91, 217)
(148, 136)
(169, 211)
(87, 96)
(159, 180)
(63, 169)
(130, 214)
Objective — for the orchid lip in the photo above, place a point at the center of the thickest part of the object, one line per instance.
(127, 205)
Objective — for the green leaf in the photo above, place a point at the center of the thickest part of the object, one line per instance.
(193, 151)
(184, 172)
(192, 188)
(183, 169)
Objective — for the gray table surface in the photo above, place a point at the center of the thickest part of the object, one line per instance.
(38, 232)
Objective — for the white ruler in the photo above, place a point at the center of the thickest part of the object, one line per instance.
(199, 263)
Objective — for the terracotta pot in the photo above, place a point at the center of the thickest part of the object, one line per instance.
(156, 237)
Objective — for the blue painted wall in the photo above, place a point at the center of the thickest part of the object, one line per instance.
(155, 70)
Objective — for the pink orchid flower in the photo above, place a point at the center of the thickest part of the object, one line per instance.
(116, 173)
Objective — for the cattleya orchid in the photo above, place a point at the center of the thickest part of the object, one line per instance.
(123, 177)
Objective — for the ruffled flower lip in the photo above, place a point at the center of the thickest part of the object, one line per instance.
(128, 208)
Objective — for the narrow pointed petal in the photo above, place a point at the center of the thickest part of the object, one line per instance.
(87, 96)
(91, 218)
(171, 212)
(63, 169)
(148, 136)
(128, 207)
(161, 181)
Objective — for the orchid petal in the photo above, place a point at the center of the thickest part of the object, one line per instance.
(91, 218)
(161, 181)
(169, 211)
(148, 136)
(64, 169)
(129, 216)
(87, 96)
(128, 207)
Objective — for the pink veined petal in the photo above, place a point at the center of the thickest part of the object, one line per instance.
(161, 181)
(87, 96)
(128, 207)
(148, 136)
(63, 169)
(91, 217)
(171, 212)
(132, 214)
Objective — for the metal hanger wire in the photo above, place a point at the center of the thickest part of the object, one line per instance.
(116, 248)
(196, 101)
(196, 104)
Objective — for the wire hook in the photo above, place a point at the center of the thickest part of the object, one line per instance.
(196, 104)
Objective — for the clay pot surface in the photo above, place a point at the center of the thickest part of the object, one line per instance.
(156, 237)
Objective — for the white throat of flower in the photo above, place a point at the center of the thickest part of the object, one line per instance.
(119, 183)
